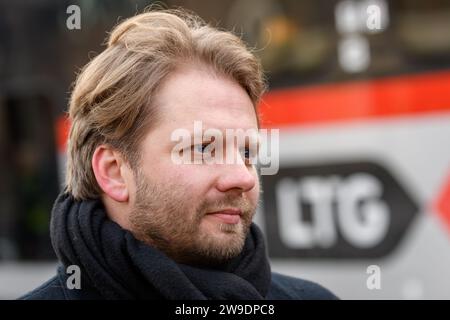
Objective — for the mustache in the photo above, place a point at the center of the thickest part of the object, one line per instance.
(241, 203)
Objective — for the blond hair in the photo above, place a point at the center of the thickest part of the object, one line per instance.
(111, 102)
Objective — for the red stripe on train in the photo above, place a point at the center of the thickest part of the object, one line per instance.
(361, 100)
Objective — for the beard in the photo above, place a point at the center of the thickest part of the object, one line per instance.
(166, 217)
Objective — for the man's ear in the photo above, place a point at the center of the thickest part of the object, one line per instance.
(108, 165)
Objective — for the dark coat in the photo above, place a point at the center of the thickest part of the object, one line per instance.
(282, 288)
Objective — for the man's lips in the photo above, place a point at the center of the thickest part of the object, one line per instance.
(231, 215)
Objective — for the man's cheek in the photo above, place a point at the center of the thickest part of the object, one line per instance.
(255, 192)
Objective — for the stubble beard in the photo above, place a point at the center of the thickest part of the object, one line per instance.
(163, 217)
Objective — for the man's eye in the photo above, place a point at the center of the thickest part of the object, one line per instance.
(200, 148)
(246, 153)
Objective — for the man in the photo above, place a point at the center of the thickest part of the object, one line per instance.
(136, 224)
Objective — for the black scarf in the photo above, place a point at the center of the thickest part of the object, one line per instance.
(119, 266)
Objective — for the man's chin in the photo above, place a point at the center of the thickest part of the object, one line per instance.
(217, 243)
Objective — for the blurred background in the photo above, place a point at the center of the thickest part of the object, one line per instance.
(360, 91)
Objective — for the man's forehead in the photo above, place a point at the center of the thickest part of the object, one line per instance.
(196, 126)
(198, 93)
(209, 110)
(214, 118)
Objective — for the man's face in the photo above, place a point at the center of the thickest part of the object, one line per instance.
(175, 205)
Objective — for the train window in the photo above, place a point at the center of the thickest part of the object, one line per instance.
(306, 42)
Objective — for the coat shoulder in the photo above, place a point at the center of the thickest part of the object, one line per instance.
(281, 287)
(50, 290)
(290, 288)
(56, 289)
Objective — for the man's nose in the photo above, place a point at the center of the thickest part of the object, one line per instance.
(236, 177)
